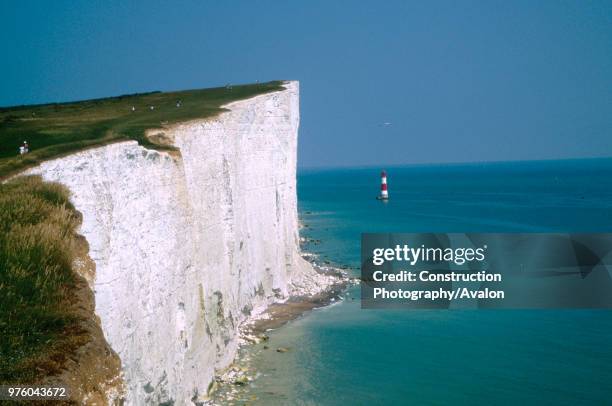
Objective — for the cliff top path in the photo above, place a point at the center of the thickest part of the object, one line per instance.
(55, 129)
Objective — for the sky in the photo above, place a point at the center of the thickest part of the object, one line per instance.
(458, 81)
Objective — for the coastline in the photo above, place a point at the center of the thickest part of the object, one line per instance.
(300, 302)
(231, 385)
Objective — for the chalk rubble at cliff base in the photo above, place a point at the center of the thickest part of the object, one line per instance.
(323, 283)
(326, 284)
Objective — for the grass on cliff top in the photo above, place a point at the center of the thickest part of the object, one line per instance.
(38, 323)
(56, 129)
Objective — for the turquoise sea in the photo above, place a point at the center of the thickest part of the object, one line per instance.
(343, 355)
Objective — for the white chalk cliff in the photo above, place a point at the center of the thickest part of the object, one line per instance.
(188, 245)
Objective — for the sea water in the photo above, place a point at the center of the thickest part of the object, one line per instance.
(345, 355)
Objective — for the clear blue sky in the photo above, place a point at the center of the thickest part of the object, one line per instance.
(459, 80)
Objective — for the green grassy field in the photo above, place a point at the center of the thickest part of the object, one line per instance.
(56, 129)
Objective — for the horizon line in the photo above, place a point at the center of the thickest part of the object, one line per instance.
(452, 163)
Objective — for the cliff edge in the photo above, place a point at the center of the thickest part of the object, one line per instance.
(188, 245)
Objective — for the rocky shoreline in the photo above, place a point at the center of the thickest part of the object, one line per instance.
(327, 287)
(334, 282)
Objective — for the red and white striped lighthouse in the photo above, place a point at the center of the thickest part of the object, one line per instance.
(384, 193)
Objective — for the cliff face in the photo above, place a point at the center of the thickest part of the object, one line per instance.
(188, 245)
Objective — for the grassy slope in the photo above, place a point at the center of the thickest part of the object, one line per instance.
(56, 129)
(37, 318)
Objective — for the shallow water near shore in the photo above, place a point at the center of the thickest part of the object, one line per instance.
(342, 354)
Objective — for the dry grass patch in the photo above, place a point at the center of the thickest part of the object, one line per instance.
(39, 325)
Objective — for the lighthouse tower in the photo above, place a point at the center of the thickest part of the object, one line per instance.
(384, 194)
